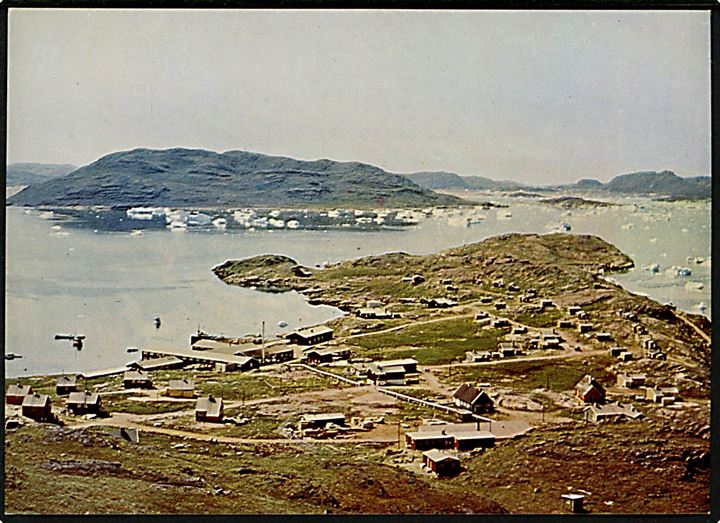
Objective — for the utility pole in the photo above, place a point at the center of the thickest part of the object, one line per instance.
(262, 341)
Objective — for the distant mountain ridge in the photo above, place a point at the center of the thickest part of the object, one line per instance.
(447, 180)
(663, 183)
(200, 178)
(30, 173)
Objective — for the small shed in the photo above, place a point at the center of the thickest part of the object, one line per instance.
(565, 324)
(37, 406)
(441, 463)
(519, 329)
(603, 336)
(572, 502)
(209, 409)
(65, 385)
(500, 305)
(311, 335)
(136, 379)
(184, 388)
(16, 393)
(500, 323)
(574, 309)
(84, 402)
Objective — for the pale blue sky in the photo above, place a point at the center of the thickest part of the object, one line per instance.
(538, 97)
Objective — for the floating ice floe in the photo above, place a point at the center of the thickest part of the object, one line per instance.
(678, 271)
(694, 286)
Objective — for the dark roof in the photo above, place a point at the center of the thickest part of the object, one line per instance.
(471, 395)
(588, 382)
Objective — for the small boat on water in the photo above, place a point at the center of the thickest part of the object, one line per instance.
(157, 322)
(282, 324)
(132, 349)
(12, 356)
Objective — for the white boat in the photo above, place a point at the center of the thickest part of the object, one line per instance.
(220, 223)
(293, 224)
(136, 232)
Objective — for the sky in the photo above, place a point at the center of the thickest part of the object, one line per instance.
(535, 97)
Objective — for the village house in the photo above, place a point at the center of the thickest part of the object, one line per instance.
(65, 385)
(565, 324)
(425, 440)
(584, 327)
(184, 388)
(499, 323)
(631, 381)
(573, 310)
(500, 305)
(311, 335)
(615, 352)
(440, 303)
(441, 463)
(589, 390)
(136, 379)
(508, 350)
(318, 421)
(209, 409)
(546, 303)
(165, 362)
(472, 398)
(16, 393)
(393, 372)
(374, 314)
(486, 299)
(272, 354)
(603, 336)
(84, 402)
(519, 329)
(612, 412)
(475, 357)
(476, 439)
(513, 287)
(317, 356)
(37, 406)
(481, 315)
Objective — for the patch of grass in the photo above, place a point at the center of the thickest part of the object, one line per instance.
(433, 343)
(144, 407)
(559, 375)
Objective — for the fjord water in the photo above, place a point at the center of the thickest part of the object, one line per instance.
(110, 286)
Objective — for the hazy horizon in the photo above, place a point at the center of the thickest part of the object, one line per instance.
(534, 97)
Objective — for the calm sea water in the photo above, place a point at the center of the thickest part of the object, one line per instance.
(110, 286)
